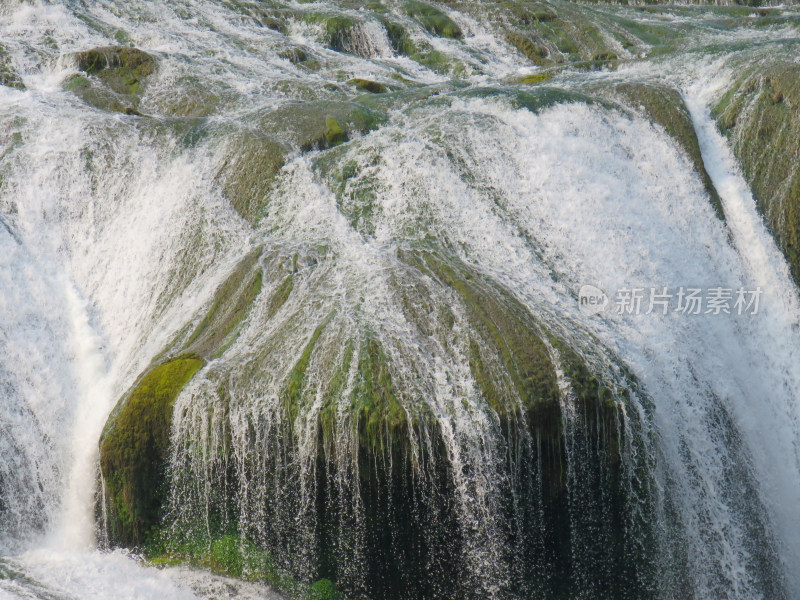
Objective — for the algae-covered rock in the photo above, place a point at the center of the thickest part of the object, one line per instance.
(760, 114)
(535, 78)
(334, 134)
(188, 97)
(9, 77)
(123, 69)
(664, 105)
(433, 19)
(366, 85)
(133, 450)
(253, 157)
(232, 302)
(324, 589)
(247, 174)
(528, 47)
(347, 470)
(399, 38)
(343, 33)
(114, 77)
(294, 55)
(319, 124)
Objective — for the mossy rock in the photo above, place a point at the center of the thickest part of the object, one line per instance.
(247, 175)
(760, 114)
(366, 85)
(433, 20)
(437, 61)
(535, 78)
(115, 78)
(188, 97)
(505, 330)
(338, 31)
(99, 96)
(665, 106)
(334, 134)
(399, 38)
(134, 450)
(231, 305)
(8, 76)
(318, 125)
(529, 48)
(324, 589)
(294, 55)
(122, 69)
(528, 13)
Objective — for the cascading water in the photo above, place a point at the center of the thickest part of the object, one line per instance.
(380, 369)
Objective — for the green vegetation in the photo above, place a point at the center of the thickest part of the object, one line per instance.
(365, 85)
(534, 52)
(134, 446)
(334, 134)
(664, 106)
(9, 77)
(760, 115)
(433, 19)
(232, 302)
(122, 69)
(230, 555)
(115, 77)
(248, 174)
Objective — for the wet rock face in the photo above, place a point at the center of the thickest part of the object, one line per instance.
(123, 69)
(8, 76)
(760, 115)
(114, 79)
(345, 474)
(133, 450)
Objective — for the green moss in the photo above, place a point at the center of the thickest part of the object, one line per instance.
(334, 134)
(226, 554)
(324, 589)
(294, 55)
(315, 125)
(250, 170)
(9, 77)
(534, 52)
(664, 105)
(122, 69)
(433, 20)
(760, 115)
(535, 78)
(506, 330)
(528, 13)
(187, 97)
(232, 303)
(381, 418)
(121, 37)
(338, 33)
(280, 296)
(399, 39)
(292, 396)
(115, 78)
(365, 85)
(604, 57)
(338, 29)
(134, 447)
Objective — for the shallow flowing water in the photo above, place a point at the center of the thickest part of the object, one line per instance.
(115, 232)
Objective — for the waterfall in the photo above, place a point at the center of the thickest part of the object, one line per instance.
(294, 295)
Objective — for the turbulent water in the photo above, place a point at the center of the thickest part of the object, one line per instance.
(117, 230)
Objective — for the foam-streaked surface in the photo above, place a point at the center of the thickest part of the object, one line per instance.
(115, 234)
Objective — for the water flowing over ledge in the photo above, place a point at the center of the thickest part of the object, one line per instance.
(308, 277)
